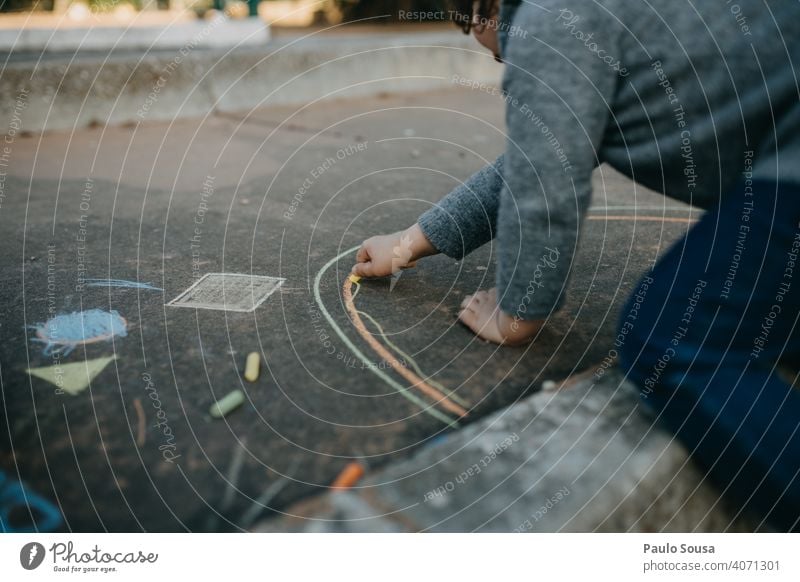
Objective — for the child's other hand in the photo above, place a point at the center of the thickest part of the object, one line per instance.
(381, 256)
(481, 314)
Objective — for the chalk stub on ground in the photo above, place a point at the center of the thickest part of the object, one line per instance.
(252, 367)
(227, 404)
(349, 476)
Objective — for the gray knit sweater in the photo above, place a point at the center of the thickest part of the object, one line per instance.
(685, 97)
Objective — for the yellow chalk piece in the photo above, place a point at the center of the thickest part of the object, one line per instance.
(355, 278)
(252, 366)
(227, 404)
(72, 378)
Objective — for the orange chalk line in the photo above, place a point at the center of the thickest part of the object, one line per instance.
(137, 404)
(643, 218)
(416, 381)
(450, 394)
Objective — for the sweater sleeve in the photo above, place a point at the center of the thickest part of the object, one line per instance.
(559, 85)
(466, 218)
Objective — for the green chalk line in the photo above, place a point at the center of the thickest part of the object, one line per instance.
(402, 390)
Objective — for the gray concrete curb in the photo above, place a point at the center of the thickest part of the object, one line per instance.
(582, 459)
(56, 94)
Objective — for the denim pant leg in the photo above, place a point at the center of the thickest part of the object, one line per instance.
(721, 308)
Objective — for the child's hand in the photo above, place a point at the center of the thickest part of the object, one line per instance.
(481, 314)
(381, 256)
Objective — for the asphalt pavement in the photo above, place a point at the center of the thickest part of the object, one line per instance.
(277, 192)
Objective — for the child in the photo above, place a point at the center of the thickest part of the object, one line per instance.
(699, 101)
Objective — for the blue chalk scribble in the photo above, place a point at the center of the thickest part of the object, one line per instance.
(121, 283)
(63, 333)
(16, 497)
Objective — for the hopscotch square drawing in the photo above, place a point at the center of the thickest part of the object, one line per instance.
(228, 292)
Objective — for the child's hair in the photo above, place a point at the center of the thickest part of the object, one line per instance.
(465, 12)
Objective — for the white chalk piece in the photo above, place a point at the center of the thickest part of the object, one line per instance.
(252, 366)
(227, 404)
(549, 385)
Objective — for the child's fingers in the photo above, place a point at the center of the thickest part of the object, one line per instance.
(362, 260)
(365, 269)
(362, 255)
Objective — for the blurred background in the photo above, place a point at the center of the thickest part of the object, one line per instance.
(282, 13)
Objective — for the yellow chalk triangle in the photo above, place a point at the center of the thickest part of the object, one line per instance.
(72, 378)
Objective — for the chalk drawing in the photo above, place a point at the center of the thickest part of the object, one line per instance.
(17, 499)
(407, 357)
(399, 388)
(122, 283)
(63, 333)
(250, 516)
(228, 292)
(390, 358)
(142, 433)
(231, 486)
(429, 387)
(72, 378)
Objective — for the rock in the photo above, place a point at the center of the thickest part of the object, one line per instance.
(581, 459)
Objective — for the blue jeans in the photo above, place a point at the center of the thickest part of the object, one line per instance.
(701, 338)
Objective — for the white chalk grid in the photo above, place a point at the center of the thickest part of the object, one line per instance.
(228, 292)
